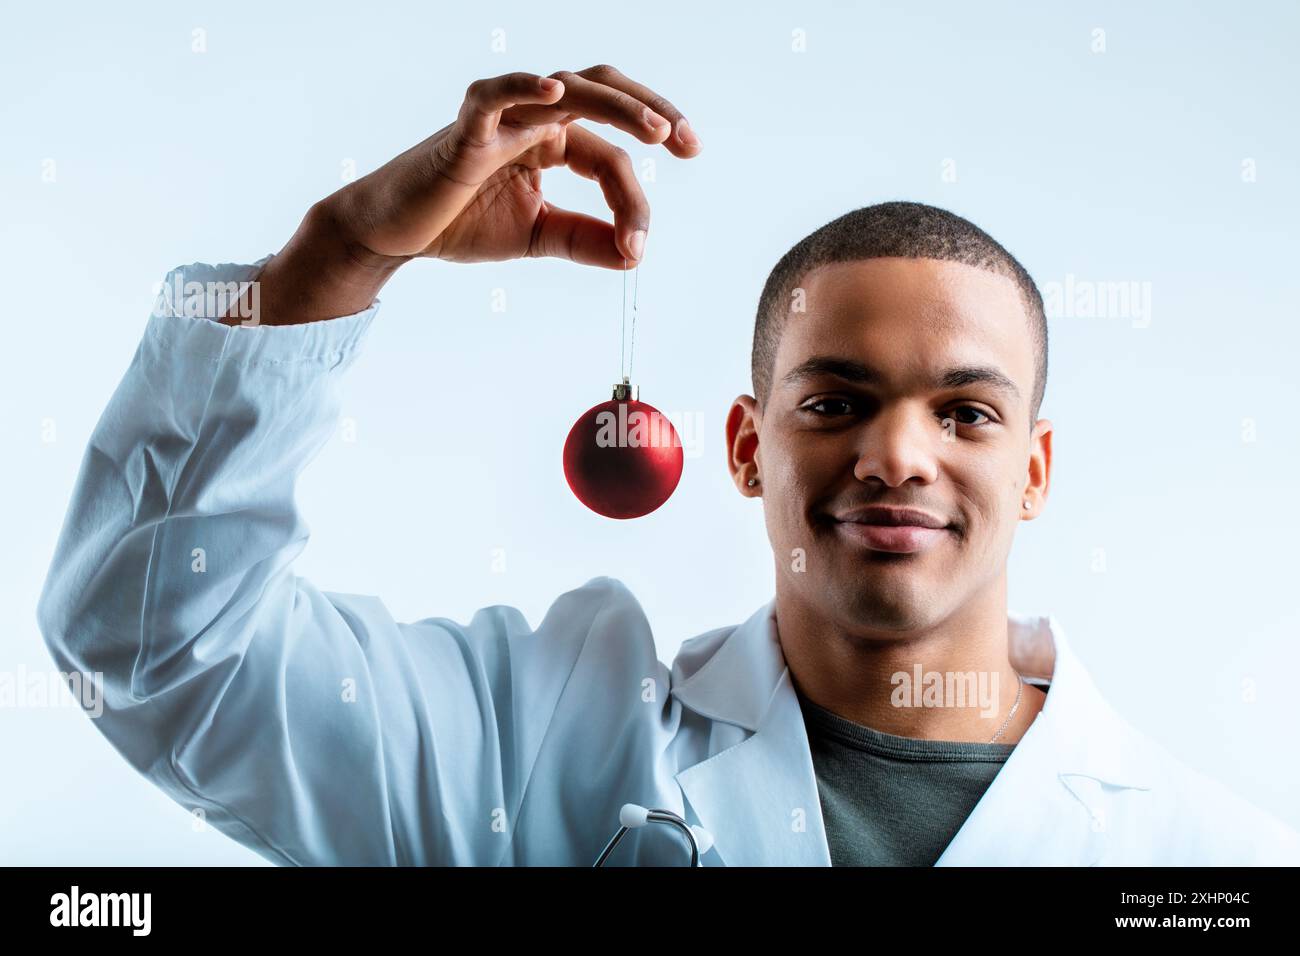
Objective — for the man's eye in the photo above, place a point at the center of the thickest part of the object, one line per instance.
(970, 408)
(836, 407)
(831, 402)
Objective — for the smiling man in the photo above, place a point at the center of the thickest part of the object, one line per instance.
(883, 708)
(899, 362)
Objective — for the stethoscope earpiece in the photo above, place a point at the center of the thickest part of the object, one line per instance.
(633, 816)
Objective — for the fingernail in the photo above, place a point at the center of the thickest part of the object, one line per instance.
(653, 119)
(637, 243)
(547, 84)
(686, 134)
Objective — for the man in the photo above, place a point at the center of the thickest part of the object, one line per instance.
(884, 708)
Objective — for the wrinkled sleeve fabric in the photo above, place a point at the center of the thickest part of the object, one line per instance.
(310, 726)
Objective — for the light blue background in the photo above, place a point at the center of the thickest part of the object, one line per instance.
(1115, 166)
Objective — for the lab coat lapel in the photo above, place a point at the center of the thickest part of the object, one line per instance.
(1047, 806)
(757, 793)
(758, 796)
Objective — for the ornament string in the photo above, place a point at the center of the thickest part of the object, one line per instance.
(636, 283)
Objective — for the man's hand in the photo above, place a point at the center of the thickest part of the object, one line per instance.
(471, 192)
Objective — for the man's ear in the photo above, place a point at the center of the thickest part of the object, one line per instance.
(743, 422)
(1039, 477)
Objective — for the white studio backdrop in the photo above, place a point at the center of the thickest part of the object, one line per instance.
(1149, 150)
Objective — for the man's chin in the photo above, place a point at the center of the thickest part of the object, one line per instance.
(880, 607)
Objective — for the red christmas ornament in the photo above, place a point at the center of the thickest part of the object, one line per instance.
(623, 458)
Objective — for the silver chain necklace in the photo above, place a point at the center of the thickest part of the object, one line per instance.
(1020, 689)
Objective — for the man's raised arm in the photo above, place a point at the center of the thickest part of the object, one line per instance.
(311, 727)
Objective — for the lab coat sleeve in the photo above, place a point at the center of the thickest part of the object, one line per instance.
(309, 726)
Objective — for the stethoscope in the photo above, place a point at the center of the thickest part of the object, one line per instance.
(633, 817)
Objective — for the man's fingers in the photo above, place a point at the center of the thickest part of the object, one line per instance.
(565, 234)
(599, 93)
(595, 101)
(485, 99)
(683, 142)
(591, 156)
(528, 120)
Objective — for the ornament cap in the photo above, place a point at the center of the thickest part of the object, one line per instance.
(625, 390)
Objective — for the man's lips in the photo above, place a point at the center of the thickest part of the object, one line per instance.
(897, 530)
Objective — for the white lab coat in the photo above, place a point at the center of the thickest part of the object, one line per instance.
(316, 729)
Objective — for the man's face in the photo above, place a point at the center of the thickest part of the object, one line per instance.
(868, 408)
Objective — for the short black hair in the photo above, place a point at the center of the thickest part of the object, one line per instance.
(910, 230)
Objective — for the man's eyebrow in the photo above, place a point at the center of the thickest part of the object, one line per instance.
(858, 373)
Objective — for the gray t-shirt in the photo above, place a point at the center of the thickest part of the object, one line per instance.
(889, 800)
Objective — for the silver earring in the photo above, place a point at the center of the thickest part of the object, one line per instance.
(752, 482)
(1026, 504)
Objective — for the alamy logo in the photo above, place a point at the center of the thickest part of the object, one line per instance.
(924, 688)
(101, 909)
(1091, 299)
(22, 688)
(637, 430)
(213, 299)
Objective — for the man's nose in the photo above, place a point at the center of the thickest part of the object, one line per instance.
(898, 444)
